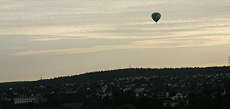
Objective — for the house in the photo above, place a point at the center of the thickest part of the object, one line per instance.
(139, 91)
(26, 100)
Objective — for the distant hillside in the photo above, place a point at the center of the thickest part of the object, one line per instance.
(111, 74)
(136, 88)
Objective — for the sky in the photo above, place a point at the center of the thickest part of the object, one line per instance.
(53, 38)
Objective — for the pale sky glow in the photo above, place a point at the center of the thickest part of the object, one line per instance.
(74, 36)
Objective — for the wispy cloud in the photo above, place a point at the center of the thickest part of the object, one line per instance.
(54, 38)
(148, 35)
(157, 43)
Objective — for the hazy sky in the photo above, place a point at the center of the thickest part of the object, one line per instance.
(75, 36)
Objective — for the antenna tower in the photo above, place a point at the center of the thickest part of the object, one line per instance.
(228, 60)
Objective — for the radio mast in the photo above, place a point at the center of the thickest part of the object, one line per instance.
(228, 60)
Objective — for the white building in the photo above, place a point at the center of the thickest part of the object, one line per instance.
(25, 100)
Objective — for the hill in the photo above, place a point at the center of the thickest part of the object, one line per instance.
(191, 88)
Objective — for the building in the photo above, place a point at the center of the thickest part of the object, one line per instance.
(25, 100)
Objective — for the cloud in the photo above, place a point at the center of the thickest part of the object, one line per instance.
(181, 33)
(54, 38)
(109, 19)
(186, 41)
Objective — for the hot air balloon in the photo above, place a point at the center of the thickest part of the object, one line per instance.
(156, 16)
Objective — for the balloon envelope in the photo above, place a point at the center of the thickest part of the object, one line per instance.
(156, 16)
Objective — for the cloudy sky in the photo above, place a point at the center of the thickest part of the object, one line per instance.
(52, 38)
